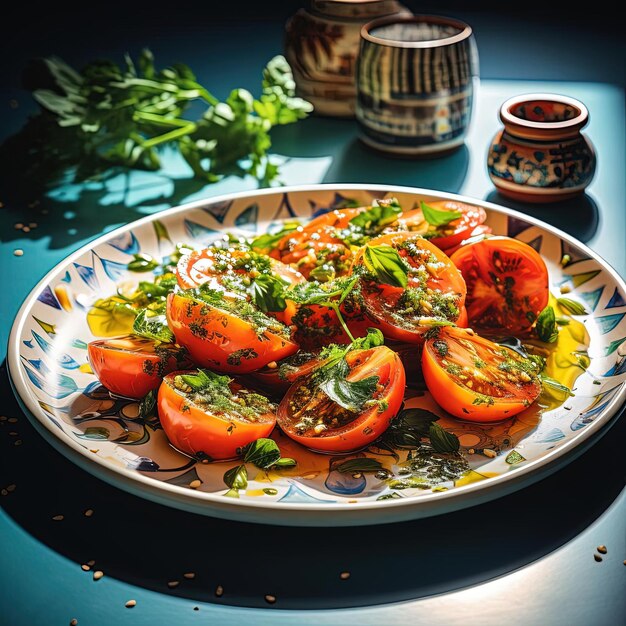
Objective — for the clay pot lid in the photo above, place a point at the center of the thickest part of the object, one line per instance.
(465, 31)
(522, 114)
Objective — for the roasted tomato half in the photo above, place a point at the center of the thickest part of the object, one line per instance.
(435, 291)
(131, 366)
(309, 414)
(230, 335)
(204, 414)
(507, 284)
(476, 379)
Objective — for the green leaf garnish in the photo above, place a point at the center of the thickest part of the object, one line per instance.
(263, 453)
(546, 326)
(285, 462)
(268, 241)
(364, 464)
(381, 213)
(442, 440)
(205, 379)
(554, 388)
(148, 404)
(438, 217)
(386, 265)
(152, 327)
(351, 395)
(268, 293)
(571, 306)
(236, 477)
(142, 263)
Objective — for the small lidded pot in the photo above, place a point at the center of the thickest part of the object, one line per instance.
(540, 155)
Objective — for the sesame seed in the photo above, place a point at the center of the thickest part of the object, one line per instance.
(600, 549)
(58, 518)
(172, 584)
(98, 574)
(91, 563)
(344, 575)
(18, 226)
(11, 488)
(130, 604)
(85, 567)
(597, 558)
(74, 622)
(270, 599)
(3, 418)
(205, 461)
(189, 575)
(4, 492)
(219, 591)
(17, 442)
(194, 484)
(492, 454)
(471, 451)
(32, 225)
(26, 229)
(88, 512)
(12, 420)
(18, 252)
(13, 433)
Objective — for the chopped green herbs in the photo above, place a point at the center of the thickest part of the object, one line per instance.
(152, 327)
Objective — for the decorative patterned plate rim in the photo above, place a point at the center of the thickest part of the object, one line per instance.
(426, 505)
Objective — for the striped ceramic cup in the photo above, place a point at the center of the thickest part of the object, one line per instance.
(415, 83)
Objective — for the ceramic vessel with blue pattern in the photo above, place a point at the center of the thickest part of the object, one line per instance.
(540, 155)
(415, 84)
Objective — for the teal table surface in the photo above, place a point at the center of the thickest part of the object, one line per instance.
(527, 558)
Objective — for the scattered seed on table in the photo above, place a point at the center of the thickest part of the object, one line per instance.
(17, 442)
(3, 418)
(32, 225)
(471, 451)
(601, 549)
(91, 563)
(13, 433)
(26, 229)
(18, 252)
(344, 575)
(12, 488)
(58, 518)
(18, 226)
(194, 484)
(88, 512)
(98, 574)
(189, 575)
(12, 420)
(270, 599)
(4, 492)
(492, 454)
(219, 591)
(172, 584)
(85, 567)
(205, 461)
(130, 604)
(74, 622)
(597, 557)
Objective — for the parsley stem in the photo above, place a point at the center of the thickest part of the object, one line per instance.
(335, 307)
(172, 134)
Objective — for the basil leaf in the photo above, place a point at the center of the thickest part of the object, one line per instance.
(546, 326)
(268, 241)
(377, 216)
(263, 453)
(442, 440)
(285, 462)
(417, 421)
(236, 477)
(571, 306)
(359, 465)
(386, 265)
(142, 263)
(438, 217)
(350, 395)
(268, 293)
(154, 327)
(148, 404)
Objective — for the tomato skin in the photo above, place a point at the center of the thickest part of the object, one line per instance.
(378, 298)
(461, 401)
(130, 366)
(193, 430)
(371, 422)
(521, 292)
(214, 336)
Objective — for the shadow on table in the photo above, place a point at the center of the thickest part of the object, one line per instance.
(578, 217)
(146, 544)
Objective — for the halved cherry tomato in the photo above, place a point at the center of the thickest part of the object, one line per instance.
(217, 431)
(310, 417)
(435, 292)
(448, 235)
(228, 335)
(231, 269)
(507, 283)
(476, 379)
(131, 366)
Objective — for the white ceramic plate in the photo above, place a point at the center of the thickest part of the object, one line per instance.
(48, 341)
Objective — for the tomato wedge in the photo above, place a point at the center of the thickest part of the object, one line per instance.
(475, 379)
(310, 417)
(435, 292)
(215, 422)
(231, 269)
(229, 335)
(131, 366)
(507, 284)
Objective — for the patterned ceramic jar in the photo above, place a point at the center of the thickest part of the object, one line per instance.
(415, 84)
(541, 155)
(322, 44)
